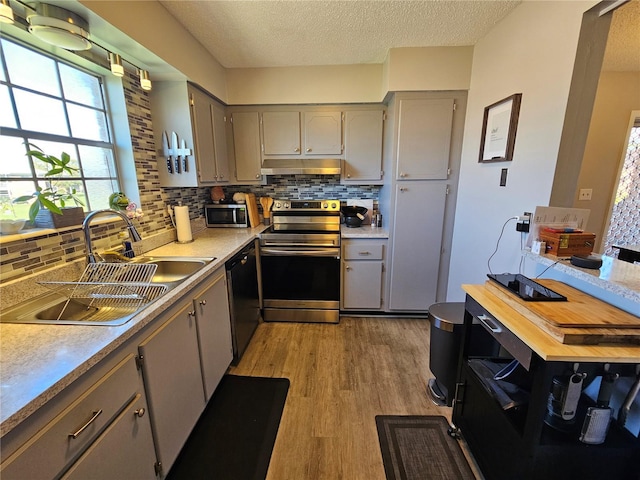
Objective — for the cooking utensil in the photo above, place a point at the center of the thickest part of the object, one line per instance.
(217, 194)
(185, 153)
(167, 151)
(252, 209)
(266, 203)
(353, 215)
(629, 399)
(176, 147)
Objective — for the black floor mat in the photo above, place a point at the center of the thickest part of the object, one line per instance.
(235, 435)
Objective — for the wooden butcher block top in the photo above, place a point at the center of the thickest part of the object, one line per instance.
(579, 311)
(583, 345)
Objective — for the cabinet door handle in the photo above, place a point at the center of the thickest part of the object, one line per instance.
(308, 149)
(258, 175)
(86, 425)
(203, 302)
(402, 174)
(139, 412)
(347, 268)
(296, 149)
(192, 313)
(403, 189)
(488, 322)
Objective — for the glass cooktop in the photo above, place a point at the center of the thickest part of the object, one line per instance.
(526, 288)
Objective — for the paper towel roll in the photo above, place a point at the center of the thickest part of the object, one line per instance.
(183, 224)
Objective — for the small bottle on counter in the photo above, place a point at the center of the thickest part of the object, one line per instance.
(378, 220)
(374, 221)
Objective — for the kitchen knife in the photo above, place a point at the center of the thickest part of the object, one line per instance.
(185, 154)
(167, 151)
(176, 145)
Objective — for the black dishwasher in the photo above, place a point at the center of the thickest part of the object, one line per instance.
(242, 285)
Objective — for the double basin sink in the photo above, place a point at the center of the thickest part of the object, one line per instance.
(59, 308)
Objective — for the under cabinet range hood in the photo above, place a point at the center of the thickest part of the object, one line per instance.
(298, 166)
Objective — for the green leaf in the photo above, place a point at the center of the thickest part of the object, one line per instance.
(24, 198)
(33, 211)
(49, 205)
(54, 171)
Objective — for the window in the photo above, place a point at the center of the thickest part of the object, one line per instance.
(60, 108)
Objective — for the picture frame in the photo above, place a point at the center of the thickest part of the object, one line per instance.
(499, 127)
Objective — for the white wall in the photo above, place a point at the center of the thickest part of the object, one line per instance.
(312, 84)
(428, 68)
(530, 52)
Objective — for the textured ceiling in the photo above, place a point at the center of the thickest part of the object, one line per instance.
(623, 44)
(277, 33)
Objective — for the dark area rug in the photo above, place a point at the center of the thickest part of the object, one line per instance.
(234, 437)
(419, 448)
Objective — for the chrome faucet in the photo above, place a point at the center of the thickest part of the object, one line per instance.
(133, 233)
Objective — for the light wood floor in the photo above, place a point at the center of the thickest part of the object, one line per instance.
(341, 376)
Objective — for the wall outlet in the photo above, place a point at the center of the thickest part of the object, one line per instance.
(585, 194)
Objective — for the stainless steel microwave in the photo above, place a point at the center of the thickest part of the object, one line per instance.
(226, 215)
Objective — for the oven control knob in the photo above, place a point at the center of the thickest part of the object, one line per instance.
(286, 205)
(333, 205)
(278, 205)
(325, 205)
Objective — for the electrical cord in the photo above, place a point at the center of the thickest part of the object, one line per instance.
(552, 265)
(498, 243)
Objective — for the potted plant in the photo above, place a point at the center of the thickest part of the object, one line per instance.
(49, 208)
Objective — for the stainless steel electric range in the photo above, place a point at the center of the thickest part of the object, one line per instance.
(300, 262)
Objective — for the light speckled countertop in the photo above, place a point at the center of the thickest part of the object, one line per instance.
(615, 276)
(365, 231)
(39, 361)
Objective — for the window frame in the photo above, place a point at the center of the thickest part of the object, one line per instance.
(106, 85)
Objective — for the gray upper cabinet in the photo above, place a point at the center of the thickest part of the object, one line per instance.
(322, 133)
(246, 145)
(281, 133)
(363, 146)
(209, 126)
(190, 134)
(306, 133)
(424, 138)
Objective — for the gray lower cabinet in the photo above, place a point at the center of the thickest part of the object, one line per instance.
(102, 419)
(362, 273)
(107, 459)
(173, 382)
(417, 242)
(129, 416)
(211, 307)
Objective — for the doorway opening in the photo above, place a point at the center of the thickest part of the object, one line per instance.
(624, 221)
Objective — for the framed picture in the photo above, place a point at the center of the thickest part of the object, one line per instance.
(499, 127)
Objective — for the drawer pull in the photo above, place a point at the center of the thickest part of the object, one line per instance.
(364, 253)
(488, 322)
(86, 425)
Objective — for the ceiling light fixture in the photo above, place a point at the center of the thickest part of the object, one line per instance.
(6, 12)
(115, 61)
(60, 27)
(145, 82)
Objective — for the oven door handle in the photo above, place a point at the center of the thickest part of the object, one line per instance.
(283, 252)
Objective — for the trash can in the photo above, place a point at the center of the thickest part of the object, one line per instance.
(447, 325)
